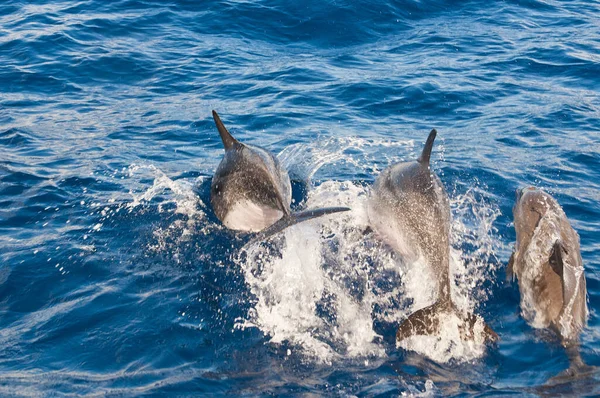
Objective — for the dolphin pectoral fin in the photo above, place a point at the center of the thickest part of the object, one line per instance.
(226, 137)
(510, 272)
(426, 154)
(295, 218)
(556, 258)
(426, 321)
(310, 214)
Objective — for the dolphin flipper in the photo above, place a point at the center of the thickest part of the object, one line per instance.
(426, 321)
(296, 218)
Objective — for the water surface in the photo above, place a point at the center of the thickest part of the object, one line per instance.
(117, 278)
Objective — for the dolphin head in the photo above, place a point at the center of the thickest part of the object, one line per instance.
(530, 206)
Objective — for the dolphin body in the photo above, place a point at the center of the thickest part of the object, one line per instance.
(410, 210)
(251, 191)
(549, 269)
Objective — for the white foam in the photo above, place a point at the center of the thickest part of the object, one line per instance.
(323, 284)
(329, 282)
(430, 391)
(176, 197)
(472, 225)
(304, 160)
(183, 195)
(449, 344)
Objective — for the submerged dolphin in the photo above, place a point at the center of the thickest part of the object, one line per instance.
(250, 191)
(547, 263)
(409, 209)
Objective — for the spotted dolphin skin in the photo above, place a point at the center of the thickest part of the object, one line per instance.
(251, 191)
(409, 209)
(549, 269)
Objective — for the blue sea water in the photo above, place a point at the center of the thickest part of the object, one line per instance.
(115, 276)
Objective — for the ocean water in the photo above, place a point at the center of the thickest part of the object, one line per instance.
(116, 278)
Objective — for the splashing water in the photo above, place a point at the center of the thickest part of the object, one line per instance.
(323, 285)
(449, 345)
(304, 160)
(175, 197)
(474, 244)
(308, 294)
(184, 197)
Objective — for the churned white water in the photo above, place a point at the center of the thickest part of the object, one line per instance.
(330, 279)
(324, 285)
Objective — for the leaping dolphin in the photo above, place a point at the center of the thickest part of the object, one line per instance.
(549, 269)
(251, 191)
(410, 210)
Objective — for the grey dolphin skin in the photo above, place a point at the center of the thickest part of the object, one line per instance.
(251, 191)
(409, 209)
(549, 269)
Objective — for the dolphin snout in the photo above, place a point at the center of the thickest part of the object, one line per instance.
(520, 191)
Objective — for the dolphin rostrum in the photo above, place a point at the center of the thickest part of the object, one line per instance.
(251, 191)
(410, 210)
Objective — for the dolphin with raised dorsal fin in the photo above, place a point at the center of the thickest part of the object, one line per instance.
(410, 210)
(549, 269)
(251, 191)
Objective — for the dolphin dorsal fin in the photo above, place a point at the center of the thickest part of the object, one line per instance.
(556, 258)
(228, 140)
(426, 154)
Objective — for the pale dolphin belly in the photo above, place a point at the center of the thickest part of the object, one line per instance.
(246, 215)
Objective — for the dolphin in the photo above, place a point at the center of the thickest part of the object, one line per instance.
(549, 269)
(410, 210)
(251, 191)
